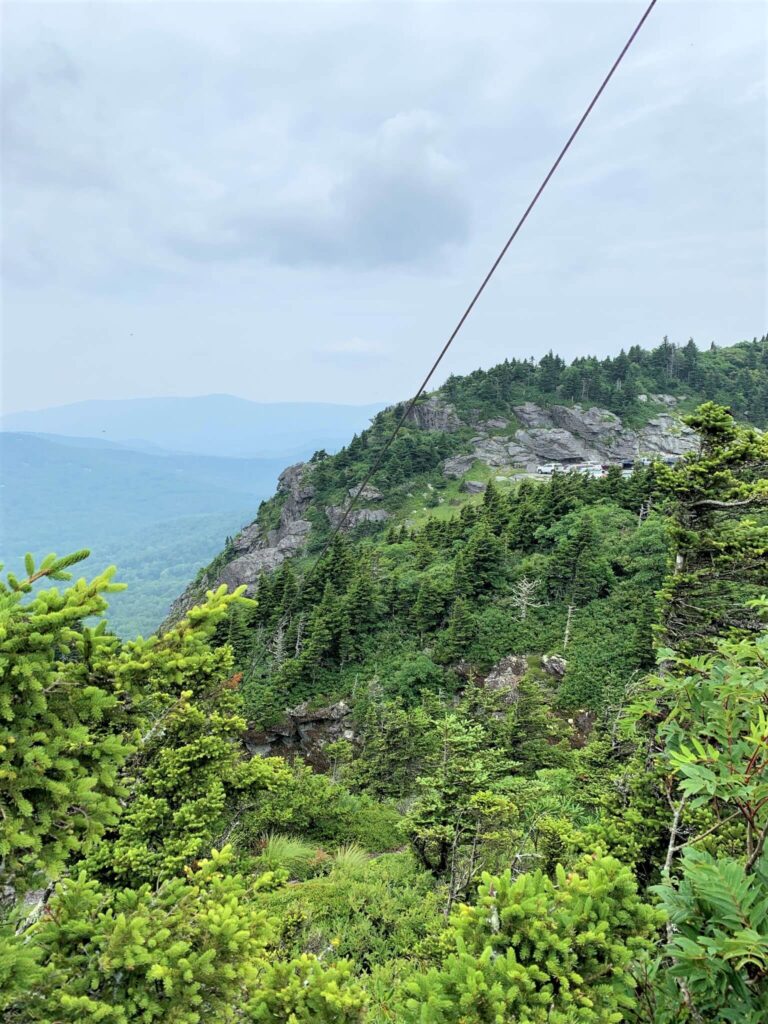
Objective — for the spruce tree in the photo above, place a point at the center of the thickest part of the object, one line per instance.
(64, 722)
(718, 502)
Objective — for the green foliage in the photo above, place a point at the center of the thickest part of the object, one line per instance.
(372, 912)
(719, 946)
(315, 807)
(192, 950)
(564, 800)
(179, 953)
(719, 506)
(735, 376)
(187, 777)
(541, 951)
(712, 746)
(61, 741)
(297, 857)
(305, 991)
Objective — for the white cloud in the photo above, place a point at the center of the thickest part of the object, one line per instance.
(192, 188)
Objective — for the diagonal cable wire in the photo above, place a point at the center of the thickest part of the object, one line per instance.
(465, 315)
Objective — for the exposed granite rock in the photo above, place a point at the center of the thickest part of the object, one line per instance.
(532, 415)
(357, 516)
(504, 678)
(519, 456)
(256, 551)
(473, 487)
(554, 665)
(304, 733)
(601, 431)
(263, 553)
(491, 451)
(666, 435)
(570, 434)
(368, 493)
(457, 466)
(564, 434)
(551, 444)
(435, 414)
(582, 722)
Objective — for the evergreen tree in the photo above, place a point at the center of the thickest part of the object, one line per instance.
(718, 503)
(440, 821)
(186, 777)
(537, 950)
(454, 642)
(480, 565)
(578, 570)
(193, 949)
(64, 722)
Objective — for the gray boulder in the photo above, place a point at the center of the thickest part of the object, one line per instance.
(357, 516)
(368, 493)
(473, 487)
(666, 435)
(554, 665)
(491, 451)
(304, 733)
(457, 466)
(256, 551)
(532, 415)
(551, 444)
(602, 432)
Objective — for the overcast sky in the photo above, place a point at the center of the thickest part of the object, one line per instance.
(294, 201)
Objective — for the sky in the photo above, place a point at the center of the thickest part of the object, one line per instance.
(293, 202)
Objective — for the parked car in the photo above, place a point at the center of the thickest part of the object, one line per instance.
(547, 468)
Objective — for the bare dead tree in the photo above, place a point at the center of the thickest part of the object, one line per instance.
(277, 647)
(568, 623)
(524, 594)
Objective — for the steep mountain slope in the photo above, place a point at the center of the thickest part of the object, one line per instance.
(220, 425)
(507, 806)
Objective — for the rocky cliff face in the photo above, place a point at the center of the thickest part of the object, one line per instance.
(257, 551)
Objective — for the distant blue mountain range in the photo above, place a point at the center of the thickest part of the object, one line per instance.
(220, 425)
(151, 485)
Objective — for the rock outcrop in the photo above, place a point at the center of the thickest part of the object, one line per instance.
(434, 414)
(570, 434)
(554, 665)
(368, 493)
(505, 677)
(256, 551)
(335, 514)
(560, 434)
(457, 466)
(305, 733)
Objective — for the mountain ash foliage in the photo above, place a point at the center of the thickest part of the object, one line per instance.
(502, 835)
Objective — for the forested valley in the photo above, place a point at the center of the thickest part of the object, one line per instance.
(497, 756)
